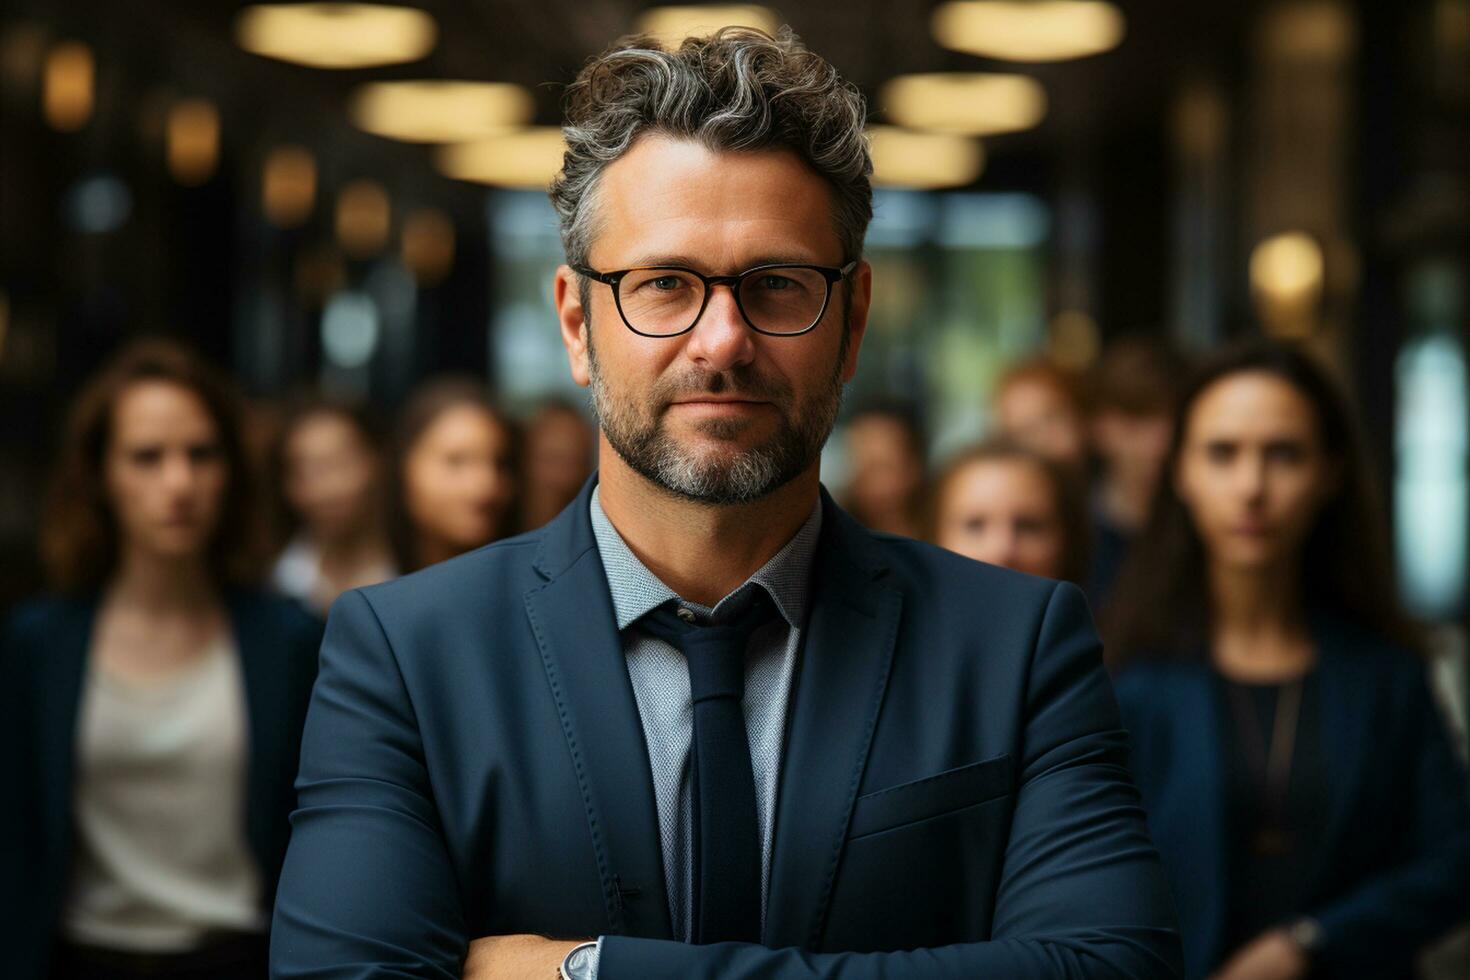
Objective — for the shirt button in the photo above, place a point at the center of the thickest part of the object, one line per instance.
(685, 614)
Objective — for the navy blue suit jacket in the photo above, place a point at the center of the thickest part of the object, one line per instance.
(1395, 866)
(43, 662)
(954, 798)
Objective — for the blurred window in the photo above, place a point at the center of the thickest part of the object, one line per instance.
(1430, 465)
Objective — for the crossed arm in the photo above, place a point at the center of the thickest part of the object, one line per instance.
(369, 889)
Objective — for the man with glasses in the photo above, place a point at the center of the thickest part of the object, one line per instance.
(703, 724)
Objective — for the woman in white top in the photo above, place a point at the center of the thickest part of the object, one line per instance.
(152, 709)
(330, 470)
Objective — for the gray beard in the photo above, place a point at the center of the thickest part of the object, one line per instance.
(736, 477)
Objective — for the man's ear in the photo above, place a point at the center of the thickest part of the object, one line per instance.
(860, 284)
(573, 321)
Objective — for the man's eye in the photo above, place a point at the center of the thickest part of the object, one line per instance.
(775, 282)
(147, 457)
(666, 283)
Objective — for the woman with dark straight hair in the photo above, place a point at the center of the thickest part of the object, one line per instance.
(151, 710)
(1296, 771)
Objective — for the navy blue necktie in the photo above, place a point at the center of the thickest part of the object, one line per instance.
(727, 852)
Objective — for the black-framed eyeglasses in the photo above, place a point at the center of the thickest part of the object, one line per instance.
(666, 300)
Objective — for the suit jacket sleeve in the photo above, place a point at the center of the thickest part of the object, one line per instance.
(1369, 930)
(1082, 893)
(367, 889)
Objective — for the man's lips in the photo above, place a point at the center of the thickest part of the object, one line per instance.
(717, 402)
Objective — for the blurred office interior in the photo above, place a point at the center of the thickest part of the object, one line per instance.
(332, 194)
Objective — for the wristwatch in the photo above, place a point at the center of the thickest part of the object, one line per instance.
(580, 963)
(1307, 934)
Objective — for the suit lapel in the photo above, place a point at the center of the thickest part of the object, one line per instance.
(262, 678)
(843, 675)
(1347, 706)
(576, 629)
(58, 708)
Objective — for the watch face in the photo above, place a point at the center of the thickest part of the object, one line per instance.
(581, 963)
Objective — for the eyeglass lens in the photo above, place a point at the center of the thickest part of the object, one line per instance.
(776, 300)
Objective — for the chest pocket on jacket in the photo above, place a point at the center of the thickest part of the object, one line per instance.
(922, 860)
(933, 796)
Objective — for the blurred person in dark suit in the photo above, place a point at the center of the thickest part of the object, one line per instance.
(1039, 406)
(1133, 387)
(704, 724)
(152, 709)
(1296, 771)
(328, 463)
(999, 503)
(453, 482)
(885, 466)
(559, 452)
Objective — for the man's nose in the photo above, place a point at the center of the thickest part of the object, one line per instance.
(721, 339)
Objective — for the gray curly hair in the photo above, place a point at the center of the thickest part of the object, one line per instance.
(738, 89)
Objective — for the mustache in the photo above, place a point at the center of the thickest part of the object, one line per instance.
(743, 380)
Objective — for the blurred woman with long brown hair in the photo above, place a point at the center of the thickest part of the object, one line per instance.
(152, 708)
(329, 465)
(1296, 772)
(453, 481)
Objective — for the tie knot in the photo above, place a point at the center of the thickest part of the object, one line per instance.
(715, 652)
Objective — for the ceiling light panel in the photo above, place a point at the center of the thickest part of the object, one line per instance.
(1029, 30)
(436, 111)
(336, 35)
(970, 104)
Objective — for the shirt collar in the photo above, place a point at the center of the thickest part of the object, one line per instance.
(636, 590)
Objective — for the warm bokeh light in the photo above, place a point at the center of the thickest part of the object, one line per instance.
(1287, 274)
(905, 158)
(528, 158)
(671, 25)
(364, 218)
(1022, 30)
(288, 186)
(428, 245)
(1287, 267)
(968, 103)
(192, 141)
(434, 111)
(68, 86)
(336, 35)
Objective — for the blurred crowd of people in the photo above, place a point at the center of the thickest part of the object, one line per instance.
(1222, 527)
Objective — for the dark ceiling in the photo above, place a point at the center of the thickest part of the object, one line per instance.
(186, 47)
